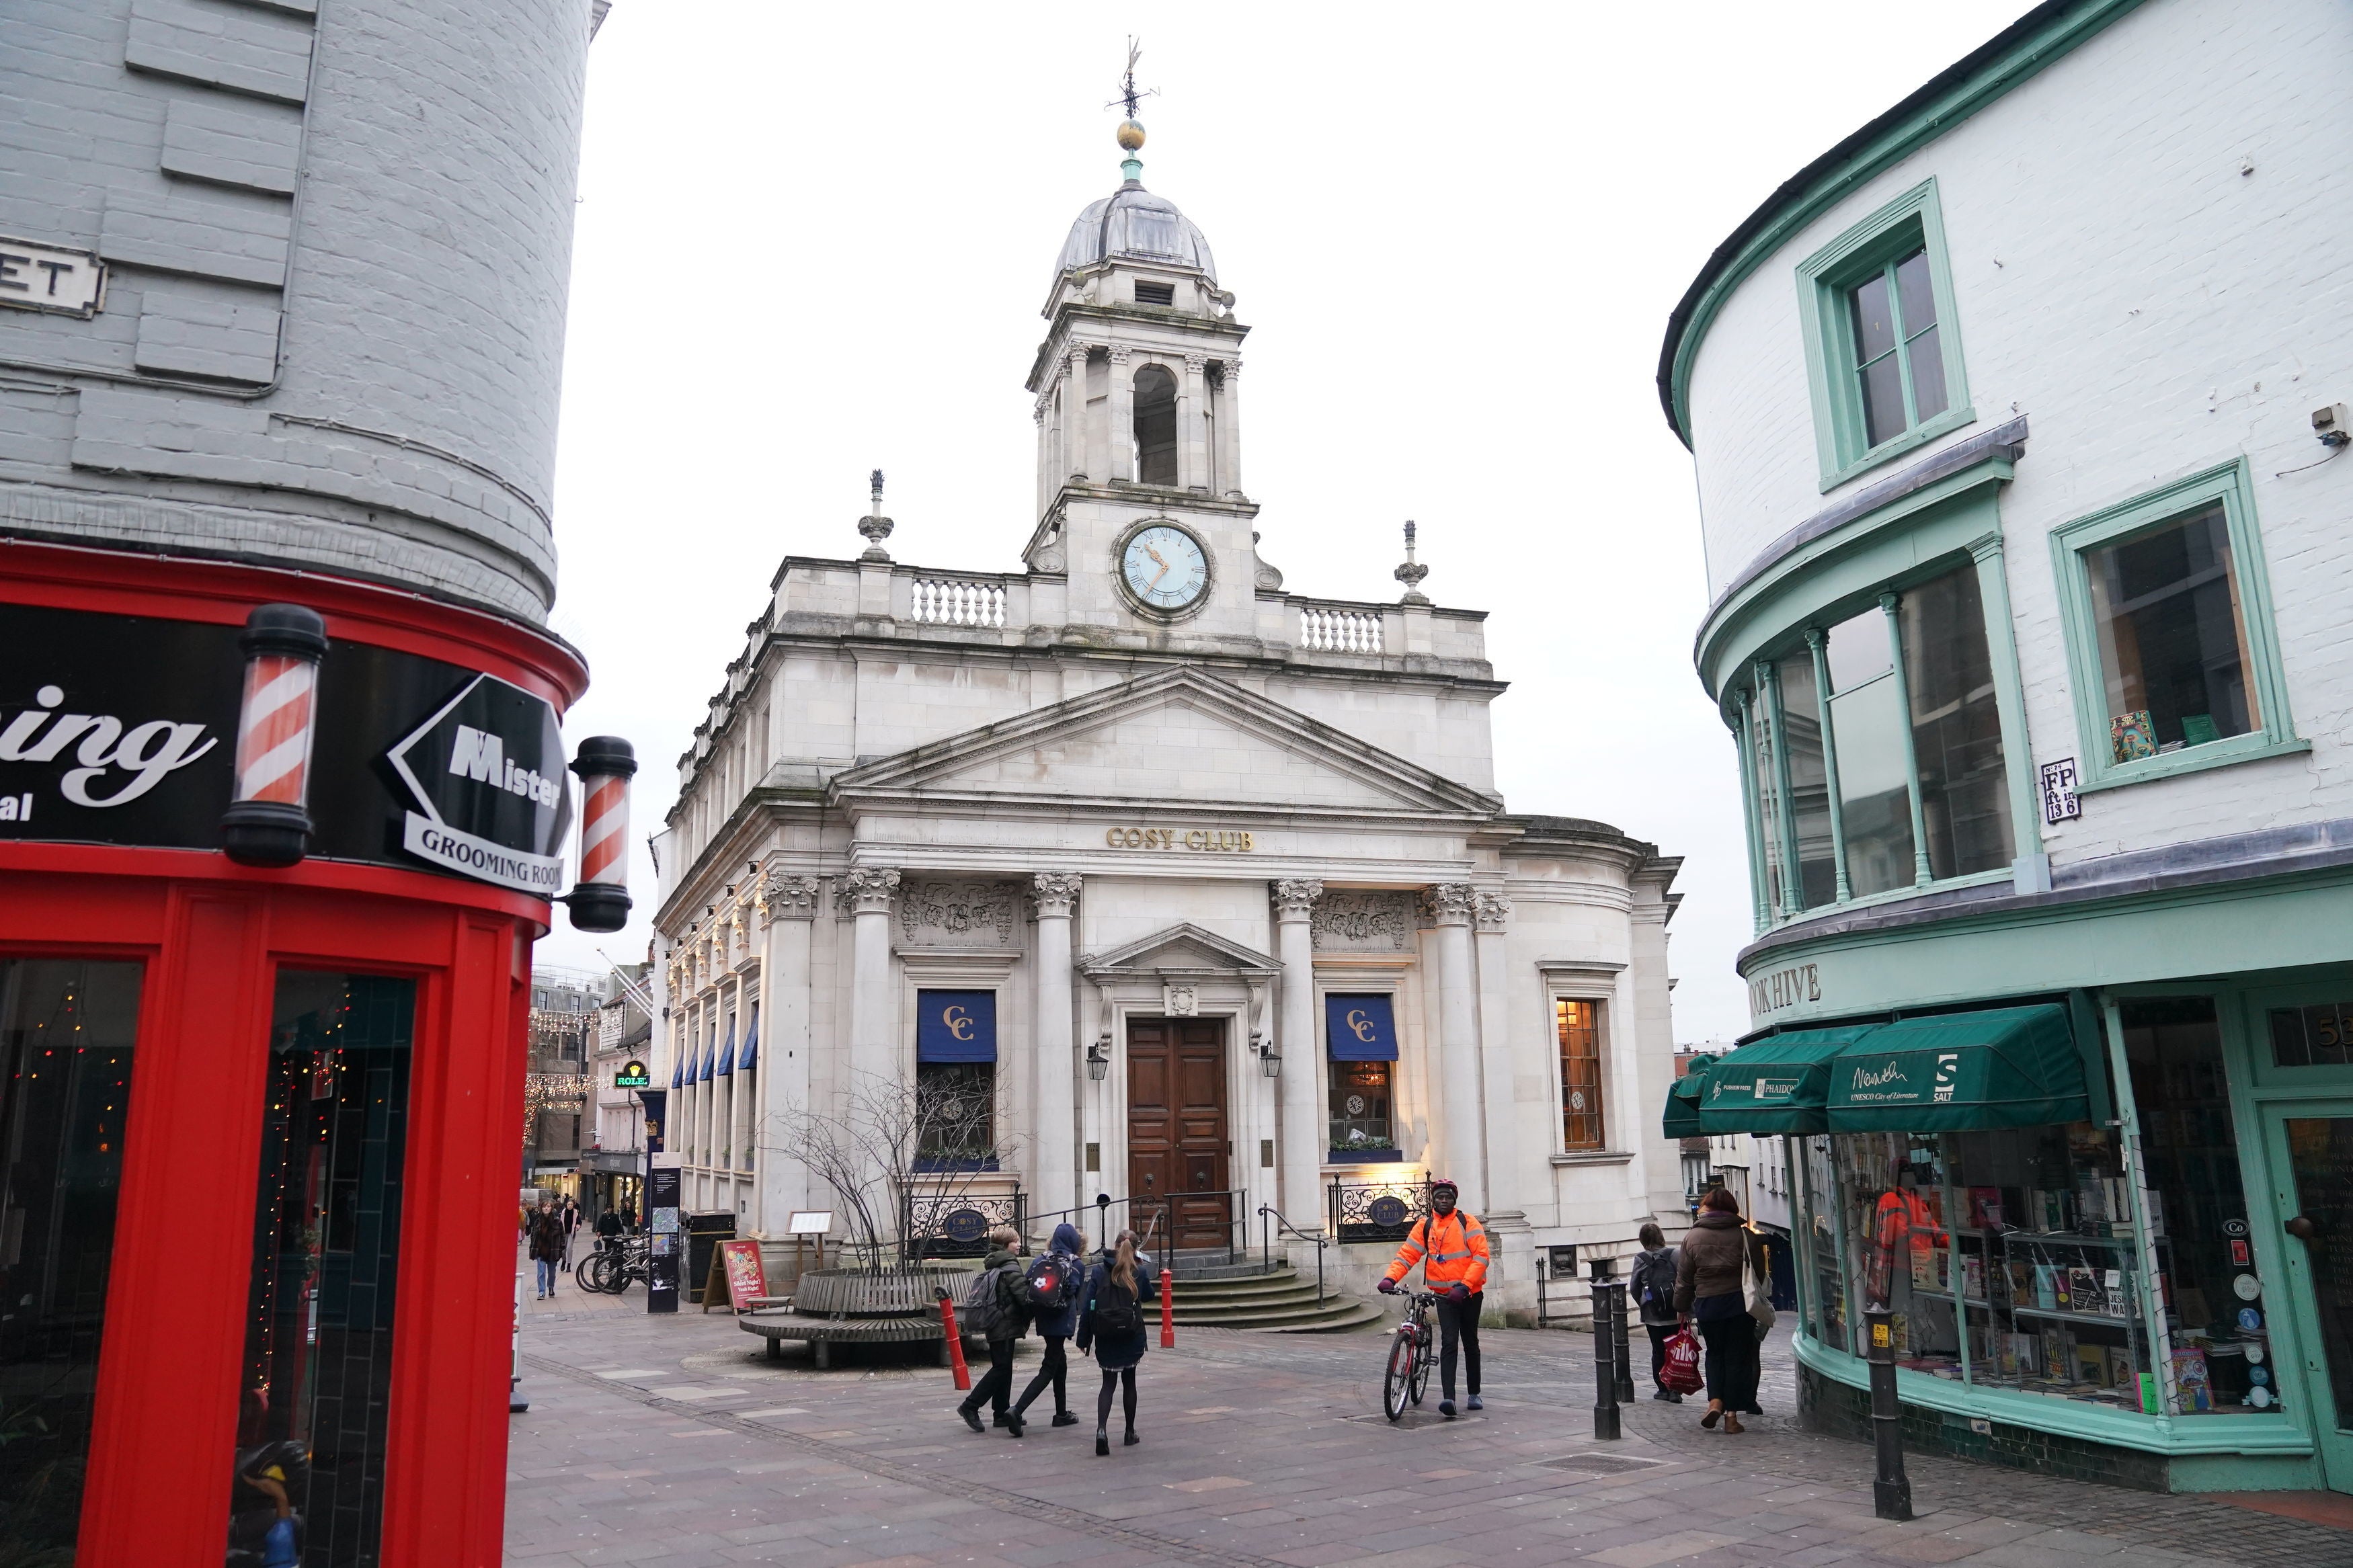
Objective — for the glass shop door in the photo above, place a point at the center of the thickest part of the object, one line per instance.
(2311, 1146)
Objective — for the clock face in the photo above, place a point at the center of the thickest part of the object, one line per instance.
(1164, 568)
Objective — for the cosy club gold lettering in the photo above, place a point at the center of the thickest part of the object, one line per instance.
(1202, 840)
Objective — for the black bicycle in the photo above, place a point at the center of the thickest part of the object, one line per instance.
(1411, 1350)
(612, 1269)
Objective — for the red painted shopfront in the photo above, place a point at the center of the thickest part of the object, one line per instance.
(262, 1123)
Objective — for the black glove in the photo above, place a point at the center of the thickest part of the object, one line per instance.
(1458, 1291)
(1386, 1287)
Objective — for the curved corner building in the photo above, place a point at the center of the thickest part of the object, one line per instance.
(282, 311)
(2018, 418)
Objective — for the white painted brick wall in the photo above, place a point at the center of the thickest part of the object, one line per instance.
(2153, 310)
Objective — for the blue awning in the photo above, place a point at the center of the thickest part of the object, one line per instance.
(710, 1050)
(1360, 1028)
(956, 1026)
(748, 1055)
(727, 1063)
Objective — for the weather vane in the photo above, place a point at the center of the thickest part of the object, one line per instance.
(1128, 95)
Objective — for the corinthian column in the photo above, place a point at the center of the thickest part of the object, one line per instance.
(782, 1083)
(1054, 1166)
(1461, 1153)
(874, 1018)
(1122, 413)
(1503, 1187)
(1301, 1086)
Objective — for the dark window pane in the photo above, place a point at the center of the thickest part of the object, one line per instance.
(1579, 1027)
(1809, 795)
(1956, 729)
(1927, 357)
(1913, 296)
(2320, 1151)
(1882, 401)
(66, 1034)
(1155, 427)
(955, 1102)
(1874, 328)
(317, 1379)
(2319, 1036)
(2172, 638)
(1360, 1106)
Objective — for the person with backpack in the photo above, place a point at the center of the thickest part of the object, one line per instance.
(993, 1308)
(1654, 1294)
(1052, 1288)
(1110, 1325)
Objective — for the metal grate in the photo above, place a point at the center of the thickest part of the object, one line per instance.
(954, 601)
(1598, 1464)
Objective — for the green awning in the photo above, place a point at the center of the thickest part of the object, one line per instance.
(1682, 1120)
(2005, 1066)
(1778, 1084)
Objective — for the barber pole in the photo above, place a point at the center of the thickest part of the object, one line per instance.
(269, 820)
(600, 903)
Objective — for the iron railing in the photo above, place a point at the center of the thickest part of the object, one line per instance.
(1376, 1211)
(1269, 1217)
(955, 1224)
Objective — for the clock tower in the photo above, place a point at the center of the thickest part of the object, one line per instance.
(1140, 495)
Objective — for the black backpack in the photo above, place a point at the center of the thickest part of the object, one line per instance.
(1655, 1282)
(1050, 1283)
(1116, 1310)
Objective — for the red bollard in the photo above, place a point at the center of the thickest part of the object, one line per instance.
(1167, 1310)
(956, 1344)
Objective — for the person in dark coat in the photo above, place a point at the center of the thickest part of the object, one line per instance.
(1112, 1328)
(1654, 1295)
(996, 1385)
(1708, 1292)
(608, 1229)
(545, 1231)
(1055, 1328)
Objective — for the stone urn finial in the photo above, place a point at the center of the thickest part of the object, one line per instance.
(875, 526)
(1412, 572)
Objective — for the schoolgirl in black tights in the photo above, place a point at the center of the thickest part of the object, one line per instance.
(1112, 1328)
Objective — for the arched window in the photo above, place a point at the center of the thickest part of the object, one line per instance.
(1155, 427)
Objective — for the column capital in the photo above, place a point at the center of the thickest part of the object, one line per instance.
(1294, 896)
(866, 891)
(1449, 904)
(1196, 364)
(1230, 368)
(785, 897)
(1120, 353)
(1494, 911)
(1055, 892)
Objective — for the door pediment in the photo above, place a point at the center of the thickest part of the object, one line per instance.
(1181, 949)
(1181, 737)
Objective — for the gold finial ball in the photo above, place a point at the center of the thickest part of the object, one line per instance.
(1131, 136)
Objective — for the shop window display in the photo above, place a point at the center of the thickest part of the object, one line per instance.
(309, 1480)
(2220, 1351)
(65, 1037)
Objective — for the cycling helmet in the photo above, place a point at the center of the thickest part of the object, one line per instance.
(1445, 1184)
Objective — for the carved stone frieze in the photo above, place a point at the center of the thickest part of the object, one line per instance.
(1363, 922)
(953, 914)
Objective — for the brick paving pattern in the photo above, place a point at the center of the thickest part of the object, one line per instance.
(670, 1441)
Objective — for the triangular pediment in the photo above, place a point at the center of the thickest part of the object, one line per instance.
(1178, 736)
(1181, 948)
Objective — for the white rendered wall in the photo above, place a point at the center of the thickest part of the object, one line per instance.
(2147, 243)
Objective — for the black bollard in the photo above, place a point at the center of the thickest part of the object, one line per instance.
(1891, 1490)
(1621, 1309)
(1605, 1353)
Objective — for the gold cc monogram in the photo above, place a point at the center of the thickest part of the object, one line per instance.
(958, 1021)
(1361, 1026)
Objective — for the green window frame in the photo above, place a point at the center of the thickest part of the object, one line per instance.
(1756, 711)
(1868, 255)
(2230, 486)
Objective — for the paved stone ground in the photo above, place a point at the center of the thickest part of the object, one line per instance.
(670, 1441)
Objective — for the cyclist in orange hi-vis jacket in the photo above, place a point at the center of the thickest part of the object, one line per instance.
(1452, 1247)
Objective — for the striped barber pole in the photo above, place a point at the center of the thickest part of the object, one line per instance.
(606, 764)
(269, 821)
(273, 729)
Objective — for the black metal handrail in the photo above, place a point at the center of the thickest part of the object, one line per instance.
(1150, 1217)
(1266, 1244)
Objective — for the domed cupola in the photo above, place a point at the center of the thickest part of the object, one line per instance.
(1134, 225)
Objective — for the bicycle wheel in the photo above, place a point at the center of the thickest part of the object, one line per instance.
(596, 1273)
(1423, 1356)
(1398, 1376)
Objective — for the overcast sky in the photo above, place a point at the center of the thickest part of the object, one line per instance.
(813, 240)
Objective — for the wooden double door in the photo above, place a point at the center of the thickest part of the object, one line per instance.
(1179, 1152)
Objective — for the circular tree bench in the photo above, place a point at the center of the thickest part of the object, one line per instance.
(850, 1307)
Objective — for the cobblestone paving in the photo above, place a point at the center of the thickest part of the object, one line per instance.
(670, 1441)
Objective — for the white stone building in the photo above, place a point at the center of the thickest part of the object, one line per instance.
(1146, 831)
